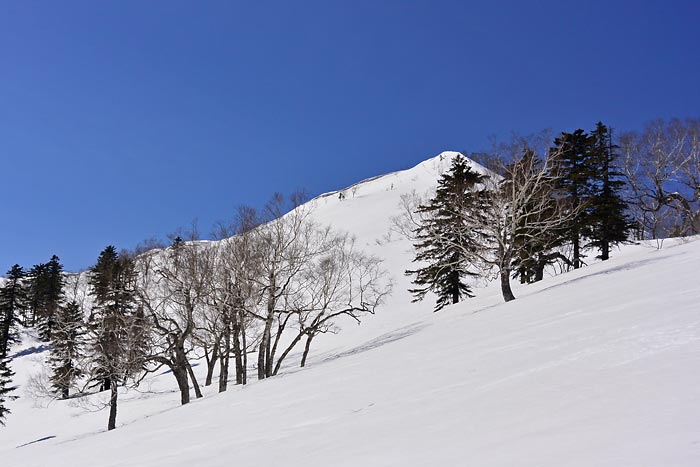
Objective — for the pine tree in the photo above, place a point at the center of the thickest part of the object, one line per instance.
(52, 291)
(13, 302)
(112, 323)
(36, 285)
(13, 299)
(67, 343)
(574, 169)
(609, 222)
(442, 238)
(6, 375)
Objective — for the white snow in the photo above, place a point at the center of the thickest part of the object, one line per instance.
(596, 367)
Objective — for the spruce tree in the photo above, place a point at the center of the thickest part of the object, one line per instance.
(115, 357)
(6, 375)
(13, 299)
(443, 239)
(52, 291)
(574, 169)
(36, 290)
(67, 343)
(13, 302)
(609, 223)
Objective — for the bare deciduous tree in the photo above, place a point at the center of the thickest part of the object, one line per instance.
(662, 167)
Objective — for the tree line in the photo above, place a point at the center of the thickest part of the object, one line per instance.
(273, 282)
(545, 201)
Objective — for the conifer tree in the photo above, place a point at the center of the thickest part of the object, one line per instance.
(442, 238)
(13, 302)
(574, 169)
(609, 222)
(52, 291)
(13, 299)
(67, 343)
(112, 322)
(6, 375)
(36, 291)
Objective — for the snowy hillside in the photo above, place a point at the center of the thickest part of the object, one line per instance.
(597, 367)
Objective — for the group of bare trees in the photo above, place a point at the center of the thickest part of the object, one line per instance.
(272, 282)
(662, 168)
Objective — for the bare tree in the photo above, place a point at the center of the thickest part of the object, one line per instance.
(281, 249)
(340, 282)
(513, 211)
(662, 167)
(172, 287)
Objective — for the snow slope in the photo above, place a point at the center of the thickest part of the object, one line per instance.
(596, 367)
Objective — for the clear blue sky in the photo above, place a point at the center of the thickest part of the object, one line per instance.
(123, 120)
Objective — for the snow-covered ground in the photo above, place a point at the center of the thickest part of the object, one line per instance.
(596, 367)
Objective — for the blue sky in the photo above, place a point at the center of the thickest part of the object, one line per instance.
(124, 120)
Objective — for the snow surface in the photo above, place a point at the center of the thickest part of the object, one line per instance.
(595, 367)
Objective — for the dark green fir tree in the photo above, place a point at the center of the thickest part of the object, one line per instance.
(111, 324)
(609, 223)
(67, 345)
(574, 169)
(6, 387)
(443, 239)
(13, 302)
(52, 297)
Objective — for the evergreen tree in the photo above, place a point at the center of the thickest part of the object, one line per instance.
(13, 299)
(36, 285)
(52, 292)
(574, 168)
(442, 238)
(5, 387)
(112, 324)
(609, 223)
(13, 302)
(67, 340)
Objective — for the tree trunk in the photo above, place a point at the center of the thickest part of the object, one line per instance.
(237, 354)
(264, 350)
(180, 374)
(577, 250)
(111, 425)
(505, 286)
(211, 362)
(225, 358)
(605, 250)
(195, 385)
(286, 352)
(223, 371)
(539, 271)
(306, 350)
(244, 348)
(179, 368)
(271, 358)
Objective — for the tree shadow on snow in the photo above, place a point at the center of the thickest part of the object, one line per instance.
(37, 441)
(32, 350)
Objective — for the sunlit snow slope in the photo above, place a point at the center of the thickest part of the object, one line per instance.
(596, 367)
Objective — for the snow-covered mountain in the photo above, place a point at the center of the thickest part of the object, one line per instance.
(594, 367)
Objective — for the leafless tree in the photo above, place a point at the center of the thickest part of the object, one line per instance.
(342, 281)
(514, 210)
(662, 167)
(172, 287)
